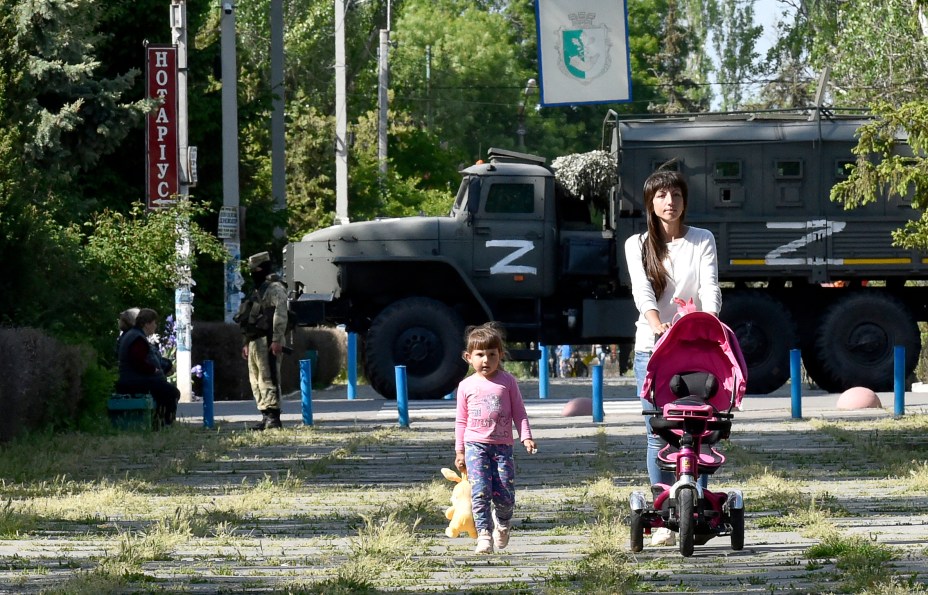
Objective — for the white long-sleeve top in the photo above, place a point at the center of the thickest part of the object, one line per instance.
(693, 272)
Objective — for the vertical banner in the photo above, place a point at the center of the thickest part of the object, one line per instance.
(161, 147)
(583, 51)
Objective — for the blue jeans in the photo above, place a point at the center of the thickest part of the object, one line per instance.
(655, 443)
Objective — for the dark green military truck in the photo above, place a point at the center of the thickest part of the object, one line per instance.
(797, 270)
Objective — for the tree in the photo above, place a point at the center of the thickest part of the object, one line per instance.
(877, 51)
(734, 39)
(474, 79)
(881, 56)
(138, 250)
(73, 115)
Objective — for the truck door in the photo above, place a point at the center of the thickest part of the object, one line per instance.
(510, 248)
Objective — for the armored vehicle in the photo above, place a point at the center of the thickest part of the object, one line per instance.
(797, 270)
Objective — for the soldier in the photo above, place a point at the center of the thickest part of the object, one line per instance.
(263, 318)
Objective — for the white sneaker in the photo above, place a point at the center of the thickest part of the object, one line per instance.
(484, 543)
(663, 536)
(501, 535)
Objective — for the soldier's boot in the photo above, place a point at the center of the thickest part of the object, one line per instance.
(273, 419)
(261, 425)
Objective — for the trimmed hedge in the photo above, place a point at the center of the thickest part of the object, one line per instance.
(222, 343)
(41, 381)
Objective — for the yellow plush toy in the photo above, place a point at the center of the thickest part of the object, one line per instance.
(460, 514)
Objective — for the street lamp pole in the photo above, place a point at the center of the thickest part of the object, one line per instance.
(520, 131)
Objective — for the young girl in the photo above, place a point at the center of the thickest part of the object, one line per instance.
(488, 404)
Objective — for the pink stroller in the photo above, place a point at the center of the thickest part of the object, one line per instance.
(695, 377)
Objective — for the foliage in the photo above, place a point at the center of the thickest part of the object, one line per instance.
(894, 172)
(73, 115)
(734, 38)
(139, 250)
(35, 394)
(474, 78)
(877, 51)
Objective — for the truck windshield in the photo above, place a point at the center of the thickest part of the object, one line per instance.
(460, 201)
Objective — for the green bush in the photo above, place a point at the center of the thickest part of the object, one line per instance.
(98, 383)
(40, 382)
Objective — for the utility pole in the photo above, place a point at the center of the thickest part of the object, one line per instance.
(278, 134)
(383, 100)
(183, 294)
(229, 229)
(341, 118)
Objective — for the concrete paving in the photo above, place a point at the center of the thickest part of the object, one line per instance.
(771, 431)
(355, 462)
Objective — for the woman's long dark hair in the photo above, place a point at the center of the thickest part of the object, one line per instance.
(654, 248)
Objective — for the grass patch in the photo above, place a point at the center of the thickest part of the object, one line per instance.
(863, 565)
(604, 568)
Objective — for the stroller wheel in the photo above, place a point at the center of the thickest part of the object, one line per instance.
(736, 516)
(686, 504)
(637, 532)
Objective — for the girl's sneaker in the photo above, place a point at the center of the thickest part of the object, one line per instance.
(484, 543)
(501, 535)
(663, 536)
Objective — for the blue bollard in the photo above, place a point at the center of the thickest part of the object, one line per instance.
(899, 380)
(352, 366)
(402, 398)
(598, 393)
(795, 369)
(306, 390)
(543, 373)
(208, 394)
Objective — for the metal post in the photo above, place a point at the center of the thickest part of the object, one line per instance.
(183, 293)
(208, 394)
(543, 373)
(230, 191)
(795, 367)
(598, 412)
(278, 136)
(341, 118)
(899, 380)
(352, 366)
(306, 390)
(402, 399)
(383, 102)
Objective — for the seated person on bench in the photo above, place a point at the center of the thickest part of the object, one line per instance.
(143, 370)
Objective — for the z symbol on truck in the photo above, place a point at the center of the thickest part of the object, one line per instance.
(504, 265)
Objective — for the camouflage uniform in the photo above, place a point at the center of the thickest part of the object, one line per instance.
(263, 318)
(265, 380)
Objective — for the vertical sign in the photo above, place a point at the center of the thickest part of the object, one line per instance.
(583, 51)
(161, 127)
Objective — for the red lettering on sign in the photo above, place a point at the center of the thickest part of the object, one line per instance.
(161, 127)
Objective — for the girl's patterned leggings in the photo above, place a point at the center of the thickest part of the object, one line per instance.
(491, 471)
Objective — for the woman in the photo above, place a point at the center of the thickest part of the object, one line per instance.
(670, 260)
(142, 369)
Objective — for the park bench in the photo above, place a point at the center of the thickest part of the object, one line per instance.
(132, 411)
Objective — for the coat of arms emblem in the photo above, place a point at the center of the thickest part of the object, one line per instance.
(583, 49)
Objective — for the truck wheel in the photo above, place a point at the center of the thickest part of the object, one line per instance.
(766, 332)
(815, 369)
(857, 338)
(422, 334)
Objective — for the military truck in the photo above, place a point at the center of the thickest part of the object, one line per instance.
(797, 270)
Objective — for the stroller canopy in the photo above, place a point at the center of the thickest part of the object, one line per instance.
(697, 342)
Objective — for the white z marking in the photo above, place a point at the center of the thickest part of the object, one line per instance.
(821, 229)
(502, 267)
